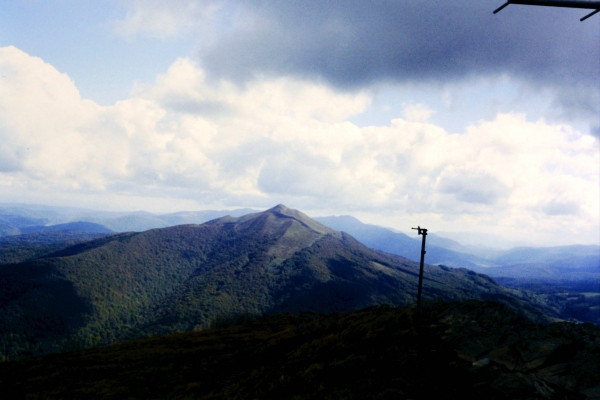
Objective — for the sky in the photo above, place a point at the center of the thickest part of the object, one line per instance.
(398, 112)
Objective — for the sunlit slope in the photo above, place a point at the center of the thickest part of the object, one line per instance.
(181, 278)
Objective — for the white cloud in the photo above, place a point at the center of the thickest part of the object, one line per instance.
(417, 112)
(288, 140)
(161, 19)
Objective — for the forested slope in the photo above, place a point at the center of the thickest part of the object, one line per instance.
(182, 278)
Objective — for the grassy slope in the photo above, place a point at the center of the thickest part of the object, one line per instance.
(374, 353)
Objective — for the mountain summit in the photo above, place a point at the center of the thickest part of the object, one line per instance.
(184, 277)
(292, 230)
(279, 215)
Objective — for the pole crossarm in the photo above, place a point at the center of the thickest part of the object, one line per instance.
(589, 5)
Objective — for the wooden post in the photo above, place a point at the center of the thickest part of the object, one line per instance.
(422, 231)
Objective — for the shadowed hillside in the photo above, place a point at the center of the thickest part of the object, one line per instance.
(451, 351)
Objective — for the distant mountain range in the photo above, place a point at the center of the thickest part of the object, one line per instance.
(577, 265)
(23, 218)
(565, 268)
(185, 277)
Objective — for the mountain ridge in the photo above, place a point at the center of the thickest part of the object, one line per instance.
(181, 278)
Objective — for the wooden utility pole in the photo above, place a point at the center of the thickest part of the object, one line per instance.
(421, 231)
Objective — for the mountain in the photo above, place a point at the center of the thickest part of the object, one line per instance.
(456, 350)
(483, 241)
(181, 278)
(136, 222)
(80, 226)
(449, 244)
(521, 266)
(34, 241)
(200, 217)
(398, 243)
(567, 278)
(14, 217)
(565, 255)
(568, 263)
(11, 224)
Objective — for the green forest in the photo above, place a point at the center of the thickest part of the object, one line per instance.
(63, 291)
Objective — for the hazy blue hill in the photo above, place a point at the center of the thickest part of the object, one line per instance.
(182, 278)
(14, 216)
(19, 221)
(8, 230)
(138, 222)
(448, 351)
(25, 211)
(24, 217)
(522, 263)
(200, 217)
(566, 278)
(80, 226)
(447, 244)
(31, 214)
(549, 269)
(398, 243)
(53, 214)
(12, 224)
(481, 241)
(581, 269)
(553, 255)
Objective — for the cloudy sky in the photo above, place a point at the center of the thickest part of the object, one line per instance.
(399, 112)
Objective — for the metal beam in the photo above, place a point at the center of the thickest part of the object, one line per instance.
(501, 7)
(589, 15)
(590, 5)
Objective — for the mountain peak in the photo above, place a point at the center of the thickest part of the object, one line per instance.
(294, 229)
(280, 208)
(305, 220)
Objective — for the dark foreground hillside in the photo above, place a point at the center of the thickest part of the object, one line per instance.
(451, 351)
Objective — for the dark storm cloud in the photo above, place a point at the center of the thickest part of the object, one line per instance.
(352, 43)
